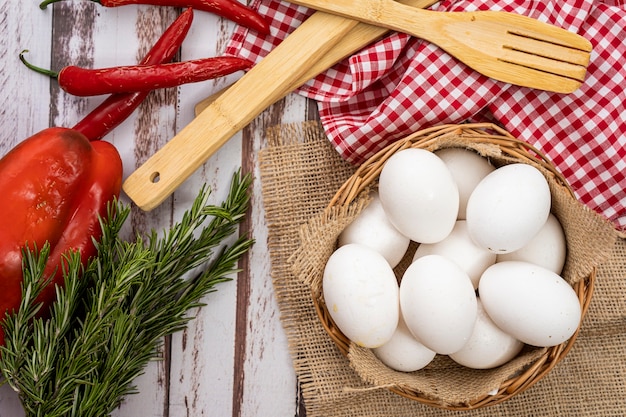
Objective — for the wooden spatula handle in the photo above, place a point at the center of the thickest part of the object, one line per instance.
(264, 84)
(357, 39)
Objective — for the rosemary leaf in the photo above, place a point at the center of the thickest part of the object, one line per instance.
(110, 317)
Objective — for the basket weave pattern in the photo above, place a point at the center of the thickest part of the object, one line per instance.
(501, 148)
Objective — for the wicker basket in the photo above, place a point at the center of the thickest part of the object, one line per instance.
(509, 149)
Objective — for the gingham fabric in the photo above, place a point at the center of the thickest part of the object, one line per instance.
(401, 84)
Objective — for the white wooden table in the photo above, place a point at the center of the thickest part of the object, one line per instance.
(233, 360)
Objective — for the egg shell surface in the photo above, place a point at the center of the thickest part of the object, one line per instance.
(508, 208)
(361, 294)
(548, 248)
(531, 303)
(467, 168)
(419, 195)
(404, 352)
(373, 229)
(438, 303)
(459, 247)
(489, 346)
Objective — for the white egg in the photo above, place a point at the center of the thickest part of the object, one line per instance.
(548, 248)
(489, 346)
(508, 208)
(404, 352)
(459, 247)
(531, 303)
(468, 169)
(438, 303)
(362, 295)
(373, 229)
(419, 195)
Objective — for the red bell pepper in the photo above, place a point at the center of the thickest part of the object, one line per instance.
(56, 186)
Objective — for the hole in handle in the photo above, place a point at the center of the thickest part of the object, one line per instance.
(155, 177)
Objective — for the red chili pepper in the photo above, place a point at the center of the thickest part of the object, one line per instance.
(59, 185)
(118, 107)
(230, 9)
(124, 79)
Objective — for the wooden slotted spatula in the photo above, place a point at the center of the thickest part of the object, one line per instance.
(505, 46)
(158, 177)
(278, 73)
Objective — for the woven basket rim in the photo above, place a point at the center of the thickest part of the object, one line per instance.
(511, 147)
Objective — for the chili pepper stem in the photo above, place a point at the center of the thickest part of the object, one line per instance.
(44, 4)
(35, 68)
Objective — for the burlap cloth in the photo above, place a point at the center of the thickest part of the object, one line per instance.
(300, 173)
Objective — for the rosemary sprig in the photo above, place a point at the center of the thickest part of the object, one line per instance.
(109, 319)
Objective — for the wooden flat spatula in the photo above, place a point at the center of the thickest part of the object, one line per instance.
(355, 40)
(281, 71)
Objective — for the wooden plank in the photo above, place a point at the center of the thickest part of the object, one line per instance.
(72, 44)
(134, 32)
(202, 359)
(266, 370)
(24, 94)
(256, 377)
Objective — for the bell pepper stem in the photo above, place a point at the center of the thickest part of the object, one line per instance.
(35, 68)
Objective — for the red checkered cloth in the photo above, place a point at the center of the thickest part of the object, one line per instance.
(401, 84)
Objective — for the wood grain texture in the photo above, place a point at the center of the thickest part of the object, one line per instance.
(22, 93)
(72, 24)
(233, 358)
